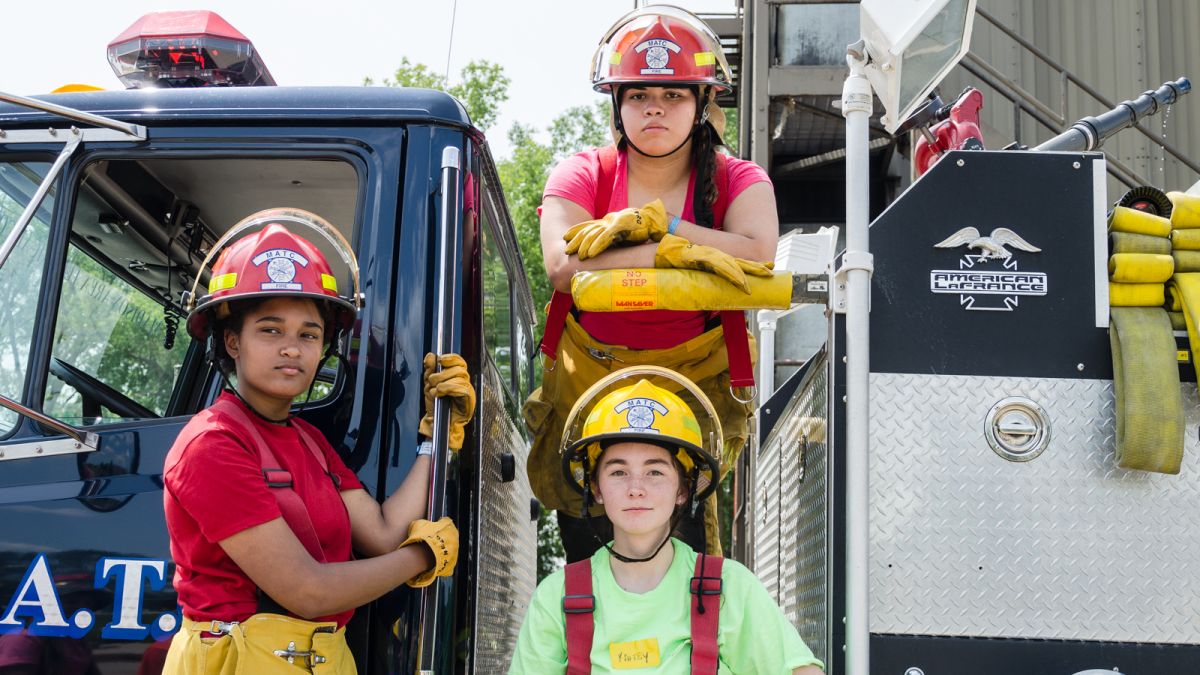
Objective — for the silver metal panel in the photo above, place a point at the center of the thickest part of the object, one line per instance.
(791, 508)
(1119, 47)
(507, 550)
(1066, 546)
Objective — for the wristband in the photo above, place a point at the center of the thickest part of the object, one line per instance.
(425, 448)
(674, 224)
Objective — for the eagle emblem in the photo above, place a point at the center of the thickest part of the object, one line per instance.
(991, 246)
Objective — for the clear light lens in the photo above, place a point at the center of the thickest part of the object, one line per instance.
(931, 52)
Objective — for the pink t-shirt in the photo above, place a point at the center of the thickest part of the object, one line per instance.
(575, 178)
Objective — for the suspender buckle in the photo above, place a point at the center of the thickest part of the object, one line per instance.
(278, 478)
(219, 628)
(309, 658)
(579, 604)
(601, 355)
(706, 585)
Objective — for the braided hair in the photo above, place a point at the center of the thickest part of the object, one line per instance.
(704, 158)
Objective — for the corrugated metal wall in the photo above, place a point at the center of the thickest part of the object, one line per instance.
(1119, 47)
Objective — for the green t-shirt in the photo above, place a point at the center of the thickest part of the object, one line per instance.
(753, 638)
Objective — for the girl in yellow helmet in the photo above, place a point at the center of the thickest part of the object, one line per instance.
(639, 602)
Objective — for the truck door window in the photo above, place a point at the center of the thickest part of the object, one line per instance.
(139, 233)
(497, 312)
(21, 276)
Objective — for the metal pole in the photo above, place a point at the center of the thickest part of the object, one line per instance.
(767, 319)
(31, 208)
(445, 315)
(135, 131)
(857, 267)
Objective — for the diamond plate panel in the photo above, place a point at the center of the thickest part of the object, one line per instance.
(507, 570)
(790, 537)
(1066, 546)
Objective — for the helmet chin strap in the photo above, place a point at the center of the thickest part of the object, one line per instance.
(698, 123)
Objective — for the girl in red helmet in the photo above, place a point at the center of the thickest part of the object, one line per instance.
(662, 196)
(262, 512)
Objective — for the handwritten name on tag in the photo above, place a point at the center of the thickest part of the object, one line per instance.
(633, 655)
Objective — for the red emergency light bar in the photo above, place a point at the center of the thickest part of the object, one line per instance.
(186, 49)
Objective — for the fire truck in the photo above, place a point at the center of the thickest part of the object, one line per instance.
(109, 203)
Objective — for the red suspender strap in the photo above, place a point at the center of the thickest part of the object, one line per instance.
(733, 323)
(579, 606)
(281, 482)
(737, 348)
(556, 319)
(561, 303)
(706, 616)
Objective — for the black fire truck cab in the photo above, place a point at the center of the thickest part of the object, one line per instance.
(109, 203)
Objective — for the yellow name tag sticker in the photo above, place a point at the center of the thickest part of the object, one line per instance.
(634, 290)
(634, 655)
(1182, 356)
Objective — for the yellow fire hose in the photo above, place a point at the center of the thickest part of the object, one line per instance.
(1178, 322)
(1140, 268)
(1149, 405)
(1128, 242)
(1185, 240)
(1185, 210)
(689, 290)
(1125, 219)
(1135, 295)
(1186, 261)
(1149, 414)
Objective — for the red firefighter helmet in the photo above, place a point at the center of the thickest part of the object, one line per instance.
(660, 44)
(273, 262)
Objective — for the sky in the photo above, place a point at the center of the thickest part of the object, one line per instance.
(545, 46)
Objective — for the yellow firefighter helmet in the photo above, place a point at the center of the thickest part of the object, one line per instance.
(649, 410)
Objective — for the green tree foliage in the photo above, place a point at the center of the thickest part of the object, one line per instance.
(523, 177)
(731, 130)
(411, 74)
(483, 86)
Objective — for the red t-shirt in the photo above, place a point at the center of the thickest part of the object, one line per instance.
(214, 488)
(575, 178)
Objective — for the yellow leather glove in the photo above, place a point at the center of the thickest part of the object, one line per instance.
(632, 226)
(679, 253)
(441, 538)
(454, 382)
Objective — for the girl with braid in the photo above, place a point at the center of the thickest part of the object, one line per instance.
(664, 195)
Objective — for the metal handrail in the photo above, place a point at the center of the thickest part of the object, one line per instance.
(1038, 114)
(1057, 121)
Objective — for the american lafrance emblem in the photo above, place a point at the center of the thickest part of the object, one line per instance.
(973, 279)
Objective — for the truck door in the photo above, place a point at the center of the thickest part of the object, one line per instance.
(503, 530)
(92, 334)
